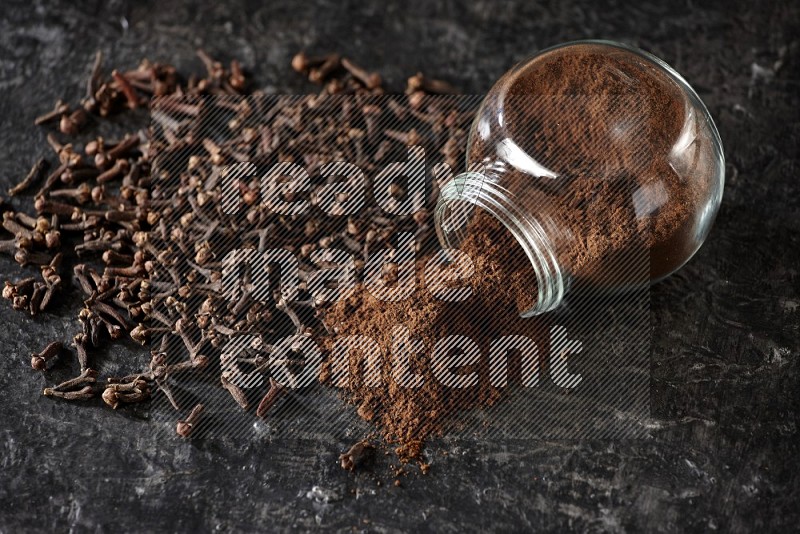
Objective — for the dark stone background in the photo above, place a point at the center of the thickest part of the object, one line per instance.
(725, 397)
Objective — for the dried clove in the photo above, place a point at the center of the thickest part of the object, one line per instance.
(358, 456)
(236, 392)
(39, 361)
(87, 376)
(276, 391)
(36, 172)
(371, 80)
(185, 427)
(131, 392)
(81, 340)
(85, 393)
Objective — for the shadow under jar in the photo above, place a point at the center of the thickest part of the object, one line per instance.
(598, 158)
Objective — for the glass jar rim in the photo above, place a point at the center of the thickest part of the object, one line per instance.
(477, 189)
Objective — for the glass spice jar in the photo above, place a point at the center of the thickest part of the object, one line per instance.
(593, 155)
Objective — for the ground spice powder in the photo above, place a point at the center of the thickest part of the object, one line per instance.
(582, 97)
(502, 282)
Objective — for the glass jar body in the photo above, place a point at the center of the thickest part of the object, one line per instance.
(597, 157)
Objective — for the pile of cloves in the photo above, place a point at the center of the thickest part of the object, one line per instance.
(149, 234)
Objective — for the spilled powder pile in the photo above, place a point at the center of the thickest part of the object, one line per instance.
(503, 280)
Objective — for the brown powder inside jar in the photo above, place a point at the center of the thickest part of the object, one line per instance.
(631, 158)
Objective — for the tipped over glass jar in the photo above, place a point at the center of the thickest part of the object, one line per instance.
(597, 157)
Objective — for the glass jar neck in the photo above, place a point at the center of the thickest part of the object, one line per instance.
(457, 200)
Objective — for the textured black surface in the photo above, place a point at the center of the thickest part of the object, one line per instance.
(726, 329)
